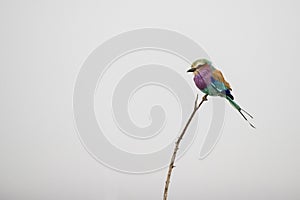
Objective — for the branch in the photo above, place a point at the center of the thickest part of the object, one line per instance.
(171, 165)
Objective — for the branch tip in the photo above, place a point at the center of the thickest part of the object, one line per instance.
(196, 102)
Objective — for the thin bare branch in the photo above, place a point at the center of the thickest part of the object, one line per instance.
(171, 165)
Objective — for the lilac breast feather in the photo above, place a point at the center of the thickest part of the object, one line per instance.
(203, 78)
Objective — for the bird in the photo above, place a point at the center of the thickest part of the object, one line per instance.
(212, 82)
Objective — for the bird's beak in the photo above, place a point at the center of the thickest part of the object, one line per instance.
(191, 70)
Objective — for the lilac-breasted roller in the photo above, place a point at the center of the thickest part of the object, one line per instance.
(211, 81)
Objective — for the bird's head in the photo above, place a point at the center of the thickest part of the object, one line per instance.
(197, 64)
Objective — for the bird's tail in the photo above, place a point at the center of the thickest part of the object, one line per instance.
(236, 106)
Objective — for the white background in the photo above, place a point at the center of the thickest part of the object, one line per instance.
(43, 45)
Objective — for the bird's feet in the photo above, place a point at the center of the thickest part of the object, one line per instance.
(204, 98)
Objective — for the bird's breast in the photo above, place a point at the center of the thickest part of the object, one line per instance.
(203, 78)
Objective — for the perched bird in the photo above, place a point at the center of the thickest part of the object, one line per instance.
(211, 81)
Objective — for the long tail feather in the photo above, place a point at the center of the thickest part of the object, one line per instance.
(246, 118)
(246, 113)
(236, 106)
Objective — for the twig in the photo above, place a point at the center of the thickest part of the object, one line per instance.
(171, 165)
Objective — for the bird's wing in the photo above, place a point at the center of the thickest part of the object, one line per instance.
(218, 76)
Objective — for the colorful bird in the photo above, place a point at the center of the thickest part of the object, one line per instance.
(211, 81)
